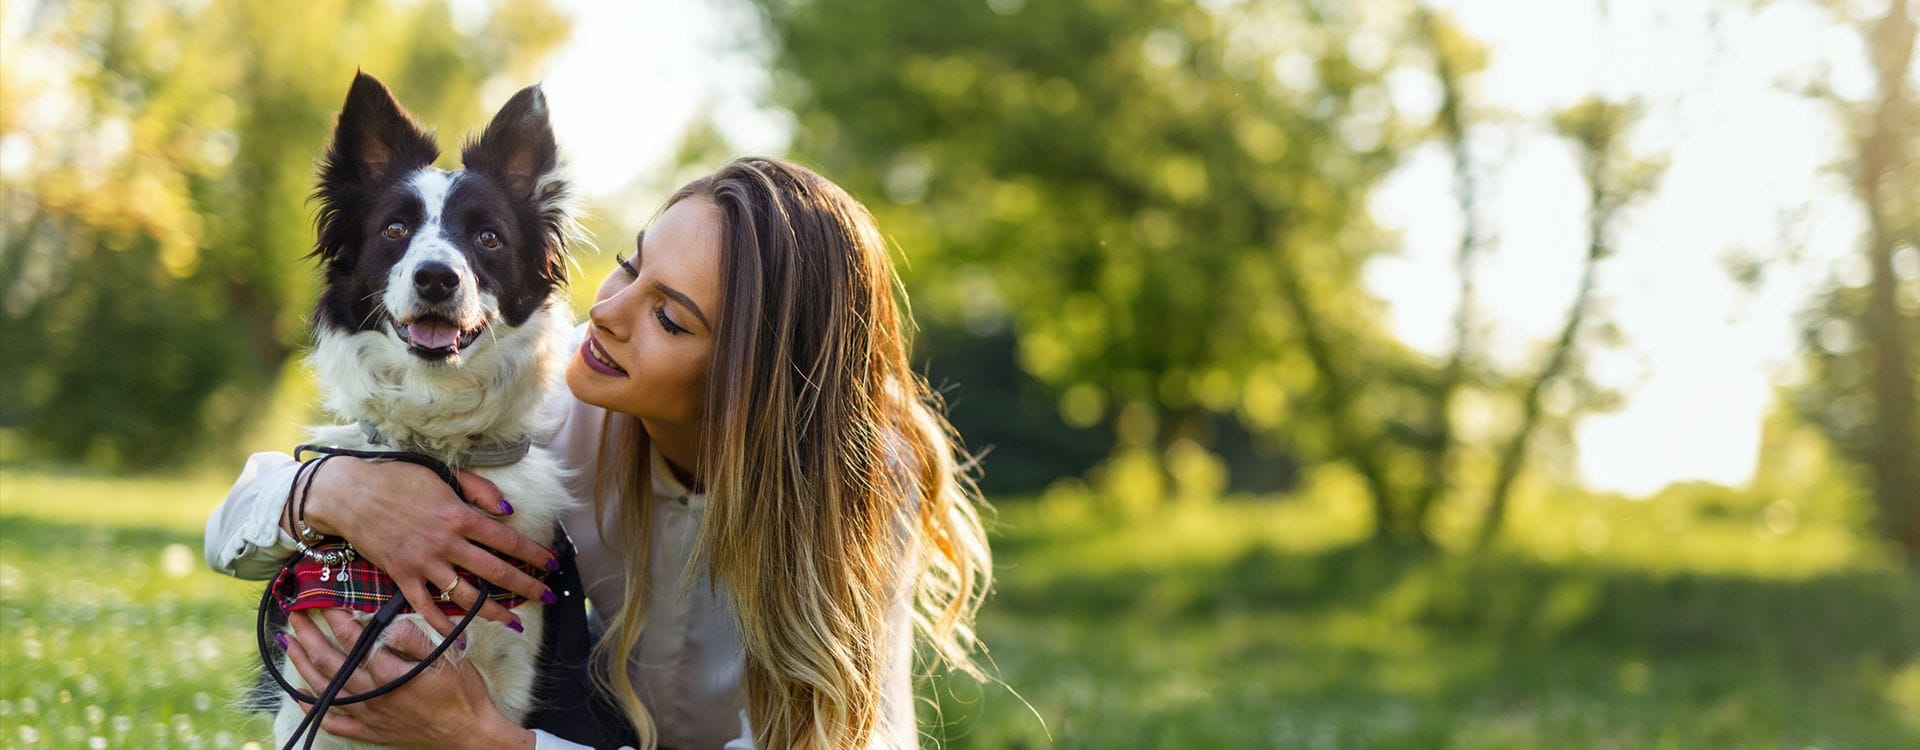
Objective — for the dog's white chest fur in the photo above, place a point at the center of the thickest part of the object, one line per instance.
(497, 396)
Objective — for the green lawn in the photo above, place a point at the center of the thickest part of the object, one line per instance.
(1232, 624)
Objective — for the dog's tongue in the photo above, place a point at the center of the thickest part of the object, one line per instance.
(432, 334)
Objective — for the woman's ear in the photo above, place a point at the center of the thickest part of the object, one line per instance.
(517, 148)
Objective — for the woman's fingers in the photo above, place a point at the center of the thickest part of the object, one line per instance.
(318, 659)
(302, 663)
(428, 607)
(502, 538)
(346, 630)
(403, 643)
(467, 596)
(407, 641)
(340, 723)
(500, 573)
(482, 493)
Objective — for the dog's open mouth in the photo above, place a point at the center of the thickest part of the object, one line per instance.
(434, 337)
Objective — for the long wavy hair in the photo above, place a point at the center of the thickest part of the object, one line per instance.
(835, 484)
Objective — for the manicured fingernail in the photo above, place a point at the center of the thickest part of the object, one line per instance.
(548, 597)
(460, 643)
(515, 626)
(553, 564)
(506, 508)
(280, 638)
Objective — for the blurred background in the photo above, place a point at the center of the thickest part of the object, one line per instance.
(1349, 374)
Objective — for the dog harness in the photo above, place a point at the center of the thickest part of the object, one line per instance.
(383, 615)
(359, 585)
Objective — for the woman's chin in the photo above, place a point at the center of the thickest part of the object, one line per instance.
(581, 381)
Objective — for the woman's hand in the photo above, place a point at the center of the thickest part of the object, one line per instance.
(446, 706)
(401, 517)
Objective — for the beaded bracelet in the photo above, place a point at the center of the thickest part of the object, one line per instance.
(300, 518)
(332, 557)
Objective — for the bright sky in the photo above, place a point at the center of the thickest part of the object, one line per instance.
(1747, 167)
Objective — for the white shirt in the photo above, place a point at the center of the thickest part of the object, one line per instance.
(688, 666)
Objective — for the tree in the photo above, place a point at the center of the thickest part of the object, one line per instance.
(1863, 342)
(1615, 179)
(1164, 202)
(159, 158)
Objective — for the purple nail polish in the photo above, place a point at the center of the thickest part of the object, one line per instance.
(553, 564)
(460, 643)
(548, 597)
(280, 638)
(515, 626)
(506, 508)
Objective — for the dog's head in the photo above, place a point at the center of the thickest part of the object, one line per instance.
(438, 262)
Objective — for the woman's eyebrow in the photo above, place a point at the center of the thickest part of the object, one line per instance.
(685, 301)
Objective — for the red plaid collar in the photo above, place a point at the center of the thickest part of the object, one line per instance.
(359, 585)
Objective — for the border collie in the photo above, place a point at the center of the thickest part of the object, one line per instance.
(441, 328)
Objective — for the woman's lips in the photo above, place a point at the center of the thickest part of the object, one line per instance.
(597, 359)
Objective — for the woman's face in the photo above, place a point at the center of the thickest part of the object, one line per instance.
(651, 330)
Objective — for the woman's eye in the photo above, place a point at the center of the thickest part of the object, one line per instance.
(667, 323)
(395, 230)
(489, 240)
(627, 265)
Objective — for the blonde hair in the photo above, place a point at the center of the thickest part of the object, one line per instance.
(835, 483)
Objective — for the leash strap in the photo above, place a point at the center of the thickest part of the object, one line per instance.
(309, 727)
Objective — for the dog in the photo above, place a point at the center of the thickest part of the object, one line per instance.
(441, 328)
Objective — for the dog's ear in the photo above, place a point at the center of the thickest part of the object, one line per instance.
(375, 139)
(518, 147)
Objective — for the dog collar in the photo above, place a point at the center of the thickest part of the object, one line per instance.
(479, 456)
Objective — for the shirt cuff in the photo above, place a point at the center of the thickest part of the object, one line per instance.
(244, 537)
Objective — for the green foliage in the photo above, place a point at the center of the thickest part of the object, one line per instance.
(151, 263)
(1128, 188)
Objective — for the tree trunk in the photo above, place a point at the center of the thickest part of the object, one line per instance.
(1513, 455)
(1440, 453)
(1339, 394)
(1894, 459)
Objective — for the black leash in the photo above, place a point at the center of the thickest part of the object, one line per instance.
(329, 697)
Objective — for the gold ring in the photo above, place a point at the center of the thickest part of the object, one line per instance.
(446, 592)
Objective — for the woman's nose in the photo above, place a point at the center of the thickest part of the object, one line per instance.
(610, 316)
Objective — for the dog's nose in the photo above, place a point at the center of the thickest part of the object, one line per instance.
(435, 281)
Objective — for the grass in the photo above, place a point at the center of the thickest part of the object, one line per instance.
(113, 632)
(1219, 624)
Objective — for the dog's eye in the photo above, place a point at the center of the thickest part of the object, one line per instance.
(395, 230)
(489, 240)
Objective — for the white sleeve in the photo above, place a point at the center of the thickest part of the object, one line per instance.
(544, 741)
(898, 728)
(244, 538)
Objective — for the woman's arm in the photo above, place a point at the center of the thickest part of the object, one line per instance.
(398, 516)
(244, 538)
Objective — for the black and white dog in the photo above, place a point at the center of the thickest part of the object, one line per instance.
(442, 329)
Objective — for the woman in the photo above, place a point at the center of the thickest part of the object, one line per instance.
(777, 506)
